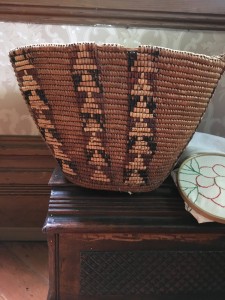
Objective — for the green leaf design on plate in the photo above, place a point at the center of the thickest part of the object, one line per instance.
(191, 190)
(191, 168)
(195, 165)
(193, 194)
(190, 184)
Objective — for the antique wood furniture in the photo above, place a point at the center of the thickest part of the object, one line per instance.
(192, 14)
(111, 245)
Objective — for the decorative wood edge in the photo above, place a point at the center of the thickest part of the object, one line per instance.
(26, 166)
(23, 145)
(53, 257)
(175, 14)
(25, 189)
(25, 163)
(79, 225)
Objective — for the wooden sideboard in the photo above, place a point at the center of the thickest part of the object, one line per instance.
(111, 245)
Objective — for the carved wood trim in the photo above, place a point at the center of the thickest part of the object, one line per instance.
(25, 168)
(190, 14)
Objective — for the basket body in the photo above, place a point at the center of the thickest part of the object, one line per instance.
(115, 118)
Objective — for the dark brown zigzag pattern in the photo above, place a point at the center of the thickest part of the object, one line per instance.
(39, 107)
(90, 98)
(141, 144)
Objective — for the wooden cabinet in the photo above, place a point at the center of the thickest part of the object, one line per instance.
(109, 245)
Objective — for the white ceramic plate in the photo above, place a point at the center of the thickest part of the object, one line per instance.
(201, 181)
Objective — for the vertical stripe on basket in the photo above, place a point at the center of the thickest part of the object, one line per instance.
(184, 86)
(112, 60)
(54, 71)
(86, 77)
(39, 106)
(142, 76)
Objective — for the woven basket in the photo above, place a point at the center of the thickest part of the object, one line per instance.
(116, 118)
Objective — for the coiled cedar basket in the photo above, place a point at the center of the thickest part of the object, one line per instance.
(115, 118)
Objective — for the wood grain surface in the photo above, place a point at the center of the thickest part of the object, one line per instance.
(23, 271)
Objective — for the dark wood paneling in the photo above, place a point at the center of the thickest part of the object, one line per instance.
(207, 14)
(25, 168)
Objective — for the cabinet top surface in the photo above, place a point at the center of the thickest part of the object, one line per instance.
(73, 206)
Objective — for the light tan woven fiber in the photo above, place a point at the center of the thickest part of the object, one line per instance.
(116, 118)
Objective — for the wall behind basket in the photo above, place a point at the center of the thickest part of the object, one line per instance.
(14, 116)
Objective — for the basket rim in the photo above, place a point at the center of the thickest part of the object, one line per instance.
(103, 45)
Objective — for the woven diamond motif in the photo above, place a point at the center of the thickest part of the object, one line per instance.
(151, 272)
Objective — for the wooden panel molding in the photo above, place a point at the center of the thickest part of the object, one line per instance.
(191, 14)
(25, 168)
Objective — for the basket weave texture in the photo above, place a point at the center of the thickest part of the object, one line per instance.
(116, 118)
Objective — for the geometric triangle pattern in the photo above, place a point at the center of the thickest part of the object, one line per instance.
(89, 95)
(141, 144)
(40, 108)
(117, 118)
